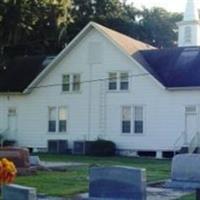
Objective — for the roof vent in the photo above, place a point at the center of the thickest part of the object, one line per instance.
(48, 60)
(188, 55)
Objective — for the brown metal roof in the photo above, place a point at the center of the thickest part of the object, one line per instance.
(129, 44)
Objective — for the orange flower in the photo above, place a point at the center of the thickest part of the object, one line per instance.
(7, 171)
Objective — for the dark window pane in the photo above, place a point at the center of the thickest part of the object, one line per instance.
(126, 126)
(76, 82)
(76, 86)
(112, 85)
(65, 87)
(124, 86)
(62, 126)
(52, 126)
(138, 127)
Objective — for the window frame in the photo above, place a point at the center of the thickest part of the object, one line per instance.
(133, 133)
(121, 81)
(118, 81)
(64, 84)
(122, 120)
(49, 120)
(112, 81)
(74, 82)
(134, 119)
(66, 120)
(188, 34)
(71, 83)
(57, 127)
(12, 114)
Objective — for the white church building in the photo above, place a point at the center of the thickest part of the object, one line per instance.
(107, 85)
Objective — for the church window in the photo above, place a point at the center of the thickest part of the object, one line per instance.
(188, 34)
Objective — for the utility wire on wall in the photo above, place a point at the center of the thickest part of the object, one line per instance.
(89, 81)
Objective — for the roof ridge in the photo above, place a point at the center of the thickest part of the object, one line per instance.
(129, 44)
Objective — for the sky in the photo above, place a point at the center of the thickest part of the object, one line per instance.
(170, 5)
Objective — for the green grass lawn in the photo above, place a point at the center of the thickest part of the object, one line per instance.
(75, 181)
(188, 197)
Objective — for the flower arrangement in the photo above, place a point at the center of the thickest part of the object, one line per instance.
(8, 171)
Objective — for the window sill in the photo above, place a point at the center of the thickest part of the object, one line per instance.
(57, 133)
(117, 91)
(133, 134)
(75, 93)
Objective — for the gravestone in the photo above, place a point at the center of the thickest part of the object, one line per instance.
(198, 194)
(185, 172)
(34, 160)
(17, 192)
(19, 156)
(117, 183)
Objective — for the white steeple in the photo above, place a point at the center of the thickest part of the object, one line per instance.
(189, 28)
(191, 11)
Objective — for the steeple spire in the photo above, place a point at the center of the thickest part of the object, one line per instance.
(189, 28)
(191, 11)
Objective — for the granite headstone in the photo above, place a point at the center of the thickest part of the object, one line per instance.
(17, 192)
(124, 183)
(185, 173)
(20, 156)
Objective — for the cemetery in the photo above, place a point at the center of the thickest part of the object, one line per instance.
(61, 177)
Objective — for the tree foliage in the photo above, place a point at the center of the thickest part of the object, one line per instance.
(159, 27)
(33, 25)
(45, 26)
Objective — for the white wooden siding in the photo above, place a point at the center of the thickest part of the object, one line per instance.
(164, 110)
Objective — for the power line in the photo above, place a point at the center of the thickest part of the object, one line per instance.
(88, 81)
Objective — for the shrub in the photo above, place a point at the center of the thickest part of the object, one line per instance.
(9, 143)
(103, 148)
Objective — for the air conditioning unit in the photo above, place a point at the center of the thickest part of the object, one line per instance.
(57, 146)
(82, 147)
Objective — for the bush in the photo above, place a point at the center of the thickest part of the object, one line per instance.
(9, 143)
(103, 148)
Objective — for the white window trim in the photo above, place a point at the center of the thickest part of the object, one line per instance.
(196, 109)
(188, 34)
(71, 91)
(132, 133)
(121, 119)
(118, 90)
(15, 108)
(58, 119)
(57, 132)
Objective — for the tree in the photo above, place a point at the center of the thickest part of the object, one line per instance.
(158, 27)
(111, 13)
(155, 26)
(45, 26)
(33, 24)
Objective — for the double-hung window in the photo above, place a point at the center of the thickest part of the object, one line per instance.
(76, 82)
(118, 81)
(124, 81)
(52, 119)
(132, 119)
(188, 34)
(57, 121)
(138, 120)
(62, 119)
(112, 81)
(66, 83)
(71, 83)
(126, 119)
